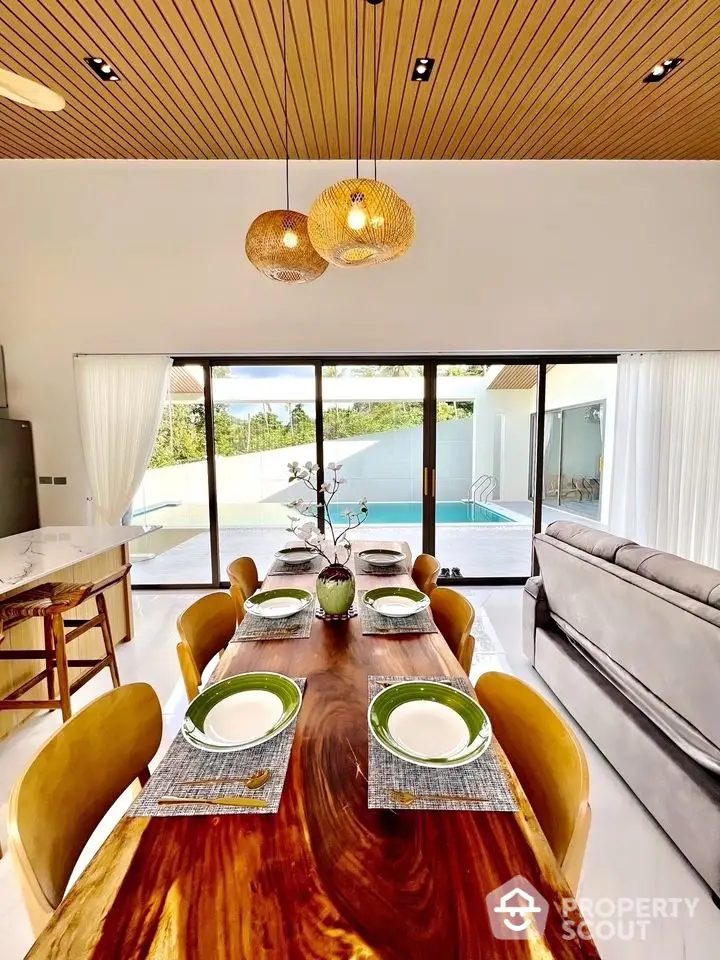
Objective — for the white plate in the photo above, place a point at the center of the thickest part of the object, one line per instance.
(296, 556)
(398, 606)
(244, 717)
(273, 604)
(428, 729)
(385, 559)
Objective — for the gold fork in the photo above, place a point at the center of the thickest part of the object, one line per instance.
(255, 780)
(407, 797)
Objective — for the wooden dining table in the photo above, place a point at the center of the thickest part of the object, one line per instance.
(325, 877)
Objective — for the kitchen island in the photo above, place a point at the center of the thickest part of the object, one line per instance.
(70, 555)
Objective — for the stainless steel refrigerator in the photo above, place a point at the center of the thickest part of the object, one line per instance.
(18, 486)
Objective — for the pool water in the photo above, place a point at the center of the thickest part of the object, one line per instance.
(446, 511)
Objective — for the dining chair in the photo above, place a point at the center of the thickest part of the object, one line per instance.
(425, 572)
(243, 573)
(69, 786)
(549, 762)
(454, 616)
(205, 629)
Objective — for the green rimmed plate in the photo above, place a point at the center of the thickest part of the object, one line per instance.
(295, 555)
(396, 601)
(241, 712)
(273, 604)
(430, 724)
(381, 557)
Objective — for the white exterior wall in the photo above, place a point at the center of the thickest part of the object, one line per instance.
(382, 467)
(502, 440)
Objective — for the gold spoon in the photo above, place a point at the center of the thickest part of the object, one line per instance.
(257, 779)
(407, 798)
(218, 801)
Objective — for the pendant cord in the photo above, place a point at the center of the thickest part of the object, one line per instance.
(375, 86)
(357, 90)
(285, 78)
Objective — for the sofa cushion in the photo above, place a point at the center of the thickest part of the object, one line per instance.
(596, 542)
(691, 579)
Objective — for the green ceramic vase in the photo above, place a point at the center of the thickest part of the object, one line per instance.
(335, 589)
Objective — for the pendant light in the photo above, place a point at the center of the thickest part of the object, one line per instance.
(29, 93)
(359, 222)
(277, 242)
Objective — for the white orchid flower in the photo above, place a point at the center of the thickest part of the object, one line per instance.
(306, 531)
(340, 481)
(347, 513)
(338, 466)
(324, 487)
(331, 465)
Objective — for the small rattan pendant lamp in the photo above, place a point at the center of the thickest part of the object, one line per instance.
(277, 242)
(359, 222)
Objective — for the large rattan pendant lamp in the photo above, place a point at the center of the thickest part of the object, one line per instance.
(277, 242)
(358, 222)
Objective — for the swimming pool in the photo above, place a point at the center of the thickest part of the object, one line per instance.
(446, 511)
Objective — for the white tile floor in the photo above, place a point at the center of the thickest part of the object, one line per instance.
(628, 855)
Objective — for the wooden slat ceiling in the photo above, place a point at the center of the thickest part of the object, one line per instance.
(512, 79)
(516, 376)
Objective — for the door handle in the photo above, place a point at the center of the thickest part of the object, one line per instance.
(425, 481)
(434, 475)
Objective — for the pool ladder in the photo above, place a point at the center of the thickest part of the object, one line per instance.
(480, 490)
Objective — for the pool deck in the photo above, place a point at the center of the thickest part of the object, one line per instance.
(478, 550)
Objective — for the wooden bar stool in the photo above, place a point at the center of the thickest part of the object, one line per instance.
(52, 602)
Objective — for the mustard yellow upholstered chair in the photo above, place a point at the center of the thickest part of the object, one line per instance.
(549, 762)
(425, 572)
(69, 786)
(454, 616)
(205, 629)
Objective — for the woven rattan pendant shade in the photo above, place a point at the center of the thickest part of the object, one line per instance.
(385, 223)
(269, 247)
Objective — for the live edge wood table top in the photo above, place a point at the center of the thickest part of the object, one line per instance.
(325, 877)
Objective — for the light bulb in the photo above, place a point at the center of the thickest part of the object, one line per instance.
(357, 217)
(420, 69)
(377, 220)
(106, 68)
(290, 239)
(667, 63)
(659, 70)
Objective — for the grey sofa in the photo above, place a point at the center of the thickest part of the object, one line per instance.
(628, 638)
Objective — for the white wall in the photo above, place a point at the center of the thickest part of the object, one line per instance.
(132, 256)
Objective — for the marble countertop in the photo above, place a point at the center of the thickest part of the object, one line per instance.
(27, 557)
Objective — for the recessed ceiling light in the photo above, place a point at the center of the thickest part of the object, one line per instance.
(422, 69)
(661, 70)
(101, 68)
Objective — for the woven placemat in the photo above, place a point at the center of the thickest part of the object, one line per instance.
(370, 570)
(185, 762)
(373, 622)
(483, 777)
(279, 566)
(295, 627)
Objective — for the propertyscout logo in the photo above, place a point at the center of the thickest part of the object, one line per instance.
(518, 912)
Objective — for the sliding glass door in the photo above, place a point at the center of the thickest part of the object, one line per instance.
(483, 451)
(263, 418)
(373, 421)
(175, 491)
(463, 460)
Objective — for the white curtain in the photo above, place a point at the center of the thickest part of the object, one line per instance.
(120, 402)
(665, 489)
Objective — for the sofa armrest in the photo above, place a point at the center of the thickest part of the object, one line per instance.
(536, 613)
